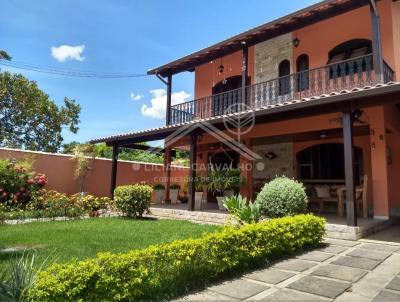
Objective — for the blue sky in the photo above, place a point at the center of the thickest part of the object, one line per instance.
(121, 37)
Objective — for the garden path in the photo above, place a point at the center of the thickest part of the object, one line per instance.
(364, 270)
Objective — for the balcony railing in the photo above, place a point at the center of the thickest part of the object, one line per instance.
(344, 75)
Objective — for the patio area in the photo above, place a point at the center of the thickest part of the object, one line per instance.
(336, 226)
(340, 271)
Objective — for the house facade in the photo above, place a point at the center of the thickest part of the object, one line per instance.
(313, 95)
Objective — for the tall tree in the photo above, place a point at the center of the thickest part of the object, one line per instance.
(29, 118)
(4, 55)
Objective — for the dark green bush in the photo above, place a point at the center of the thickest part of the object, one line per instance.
(133, 200)
(282, 197)
(161, 272)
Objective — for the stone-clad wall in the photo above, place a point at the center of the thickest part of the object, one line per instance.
(281, 165)
(269, 54)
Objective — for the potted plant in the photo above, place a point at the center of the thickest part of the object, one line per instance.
(218, 182)
(199, 184)
(174, 192)
(158, 192)
(233, 182)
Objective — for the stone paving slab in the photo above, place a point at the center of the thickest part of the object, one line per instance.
(376, 255)
(334, 249)
(296, 265)
(380, 247)
(346, 243)
(239, 288)
(386, 296)
(344, 273)
(370, 285)
(394, 284)
(318, 286)
(352, 297)
(206, 295)
(357, 262)
(315, 256)
(287, 295)
(389, 267)
(270, 275)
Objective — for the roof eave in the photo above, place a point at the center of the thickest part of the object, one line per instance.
(257, 34)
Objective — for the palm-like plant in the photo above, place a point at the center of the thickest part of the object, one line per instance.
(17, 278)
(242, 210)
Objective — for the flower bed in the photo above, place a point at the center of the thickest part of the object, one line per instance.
(161, 272)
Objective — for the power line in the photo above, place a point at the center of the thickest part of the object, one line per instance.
(68, 72)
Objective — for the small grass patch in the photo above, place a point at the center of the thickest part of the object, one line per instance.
(62, 241)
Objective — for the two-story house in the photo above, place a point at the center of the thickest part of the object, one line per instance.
(313, 94)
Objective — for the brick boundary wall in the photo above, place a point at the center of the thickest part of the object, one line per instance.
(59, 168)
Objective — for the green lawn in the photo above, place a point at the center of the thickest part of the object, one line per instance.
(65, 240)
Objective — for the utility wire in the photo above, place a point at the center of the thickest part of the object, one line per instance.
(68, 72)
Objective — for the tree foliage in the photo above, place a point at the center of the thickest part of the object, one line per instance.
(29, 119)
(4, 55)
(104, 151)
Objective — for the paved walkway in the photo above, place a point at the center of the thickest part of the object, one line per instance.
(342, 271)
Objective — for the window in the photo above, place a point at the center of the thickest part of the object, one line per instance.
(302, 75)
(326, 161)
(284, 77)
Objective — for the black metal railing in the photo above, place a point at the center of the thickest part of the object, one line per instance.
(344, 75)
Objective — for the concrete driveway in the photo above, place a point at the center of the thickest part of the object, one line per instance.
(364, 270)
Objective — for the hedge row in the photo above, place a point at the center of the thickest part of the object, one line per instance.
(162, 271)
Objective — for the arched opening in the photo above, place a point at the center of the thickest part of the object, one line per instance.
(302, 67)
(356, 54)
(227, 94)
(223, 160)
(284, 77)
(350, 49)
(326, 162)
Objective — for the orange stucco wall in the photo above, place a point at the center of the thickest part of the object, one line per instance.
(207, 75)
(318, 39)
(60, 172)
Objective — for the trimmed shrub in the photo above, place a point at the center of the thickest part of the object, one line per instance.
(161, 272)
(282, 197)
(133, 200)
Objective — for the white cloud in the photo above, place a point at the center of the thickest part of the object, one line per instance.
(66, 52)
(136, 97)
(159, 101)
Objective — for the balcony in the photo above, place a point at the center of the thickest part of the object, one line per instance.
(344, 75)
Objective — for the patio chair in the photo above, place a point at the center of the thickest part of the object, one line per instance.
(324, 195)
(361, 197)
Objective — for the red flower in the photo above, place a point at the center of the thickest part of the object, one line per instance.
(4, 194)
